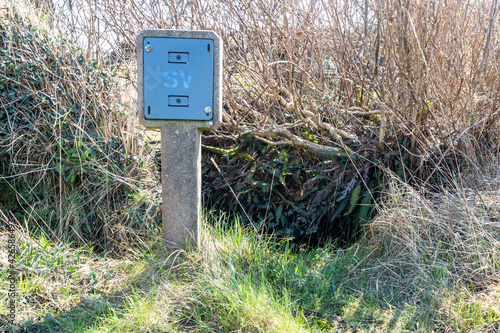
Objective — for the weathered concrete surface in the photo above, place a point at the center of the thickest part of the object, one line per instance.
(181, 184)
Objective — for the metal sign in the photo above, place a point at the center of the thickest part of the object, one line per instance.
(179, 76)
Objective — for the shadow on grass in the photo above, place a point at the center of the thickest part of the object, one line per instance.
(98, 310)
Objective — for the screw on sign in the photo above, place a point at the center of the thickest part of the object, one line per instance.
(179, 83)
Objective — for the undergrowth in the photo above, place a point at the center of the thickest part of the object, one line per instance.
(309, 158)
(72, 162)
(427, 264)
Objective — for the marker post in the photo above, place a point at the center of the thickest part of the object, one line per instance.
(179, 92)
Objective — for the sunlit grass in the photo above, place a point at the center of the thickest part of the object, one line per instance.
(243, 280)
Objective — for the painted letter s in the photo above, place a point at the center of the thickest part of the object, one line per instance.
(169, 75)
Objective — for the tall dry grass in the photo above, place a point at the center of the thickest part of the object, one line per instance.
(437, 252)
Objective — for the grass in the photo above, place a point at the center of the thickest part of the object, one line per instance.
(427, 263)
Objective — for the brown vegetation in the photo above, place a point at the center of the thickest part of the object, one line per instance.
(423, 69)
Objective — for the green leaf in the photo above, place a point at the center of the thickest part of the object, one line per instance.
(354, 199)
(59, 167)
(70, 178)
(365, 208)
(279, 212)
(279, 174)
(340, 208)
(85, 154)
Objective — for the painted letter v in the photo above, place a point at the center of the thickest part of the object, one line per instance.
(183, 77)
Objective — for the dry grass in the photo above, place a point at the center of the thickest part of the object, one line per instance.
(439, 249)
(72, 152)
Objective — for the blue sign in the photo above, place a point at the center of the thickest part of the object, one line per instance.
(178, 78)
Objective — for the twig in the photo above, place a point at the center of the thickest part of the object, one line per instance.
(488, 40)
(456, 140)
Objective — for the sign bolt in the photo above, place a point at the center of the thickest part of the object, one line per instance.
(149, 48)
(208, 109)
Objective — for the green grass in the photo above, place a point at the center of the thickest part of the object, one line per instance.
(425, 264)
(243, 281)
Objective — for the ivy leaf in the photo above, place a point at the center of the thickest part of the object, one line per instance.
(279, 213)
(85, 154)
(354, 198)
(59, 167)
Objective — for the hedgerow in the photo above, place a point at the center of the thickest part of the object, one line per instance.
(71, 162)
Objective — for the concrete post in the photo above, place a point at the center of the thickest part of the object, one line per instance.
(179, 79)
(181, 184)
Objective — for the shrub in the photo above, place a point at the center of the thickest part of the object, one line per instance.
(74, 156)
(357, 85)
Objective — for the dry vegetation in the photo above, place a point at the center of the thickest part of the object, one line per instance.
(391, 106)
(442, 248)
(424, 69)
(73, 162)
(319, 97)
(331, 87)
